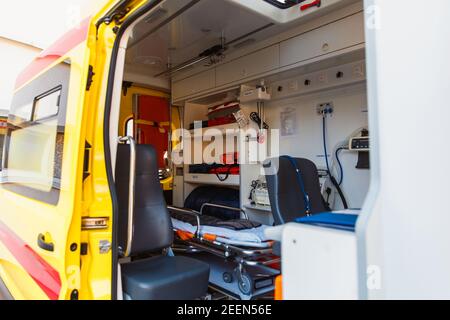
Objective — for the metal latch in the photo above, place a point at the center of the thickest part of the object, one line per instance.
(89, 223)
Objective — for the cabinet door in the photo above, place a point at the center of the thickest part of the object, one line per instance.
(327, 39)
(259, 62)
(194, 84)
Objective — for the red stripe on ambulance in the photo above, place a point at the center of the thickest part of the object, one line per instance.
(66, 43)
(42, 273)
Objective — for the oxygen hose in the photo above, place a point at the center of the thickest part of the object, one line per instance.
(333, 180)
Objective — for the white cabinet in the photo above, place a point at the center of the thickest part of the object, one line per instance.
(332, 37)
(250, 65)
(211, 179)
(347, 32)
(194, 84)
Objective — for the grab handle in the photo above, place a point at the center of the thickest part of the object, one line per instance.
(132, 143)
(47, 246)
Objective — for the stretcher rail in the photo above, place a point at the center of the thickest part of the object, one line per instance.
(251, 264)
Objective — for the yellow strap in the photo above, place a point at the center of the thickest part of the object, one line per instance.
(146, 122)
(153, 123)
(160, 125)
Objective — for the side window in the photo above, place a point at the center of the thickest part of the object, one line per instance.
(34, 141)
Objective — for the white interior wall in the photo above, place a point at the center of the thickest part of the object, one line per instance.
(350, 113)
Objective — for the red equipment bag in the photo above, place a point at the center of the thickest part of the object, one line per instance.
(230, 166)
(230, 158)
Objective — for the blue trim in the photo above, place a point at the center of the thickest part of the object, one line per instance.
(331, 220)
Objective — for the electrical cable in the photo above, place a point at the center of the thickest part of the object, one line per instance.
(343, 145)
(341, 176)
(339, 190)
(324, 135)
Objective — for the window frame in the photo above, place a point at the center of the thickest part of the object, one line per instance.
(40, 97)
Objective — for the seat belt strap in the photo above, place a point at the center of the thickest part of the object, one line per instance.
(300, 183)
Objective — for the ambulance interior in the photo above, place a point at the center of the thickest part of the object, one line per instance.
(260, 106)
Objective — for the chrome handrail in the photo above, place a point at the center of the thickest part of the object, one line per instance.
(190, 212)
(207, 204)
(131, 187)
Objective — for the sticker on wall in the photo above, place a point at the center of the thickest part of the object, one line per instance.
(288, 122)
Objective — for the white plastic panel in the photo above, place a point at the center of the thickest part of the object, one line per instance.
(327, 39)
(318, 263)
(259, 62)
(404, 228)
(329, 78)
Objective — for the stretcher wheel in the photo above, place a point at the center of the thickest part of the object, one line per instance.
(245, 284)
(227, 277)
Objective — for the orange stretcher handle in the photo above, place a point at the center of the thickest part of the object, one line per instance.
(209, 237)
(184, 235)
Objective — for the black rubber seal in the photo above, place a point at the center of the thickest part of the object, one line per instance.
(106, 130)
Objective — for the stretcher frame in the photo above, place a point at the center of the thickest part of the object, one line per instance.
(244, 257)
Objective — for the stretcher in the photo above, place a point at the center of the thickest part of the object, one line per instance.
(242, 262)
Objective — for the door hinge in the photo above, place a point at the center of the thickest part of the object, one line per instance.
(87, 157)
(125, 86)
(116, 14)
(90, 77)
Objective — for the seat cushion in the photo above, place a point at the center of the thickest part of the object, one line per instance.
(165, 278)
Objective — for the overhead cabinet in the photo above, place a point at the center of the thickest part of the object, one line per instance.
(250, 65)
(194, 84)
(344, 33)
(332, 37)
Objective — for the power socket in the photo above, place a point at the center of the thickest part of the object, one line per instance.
(358, 70)
(326, 108)
(322, 78)
(293, 86)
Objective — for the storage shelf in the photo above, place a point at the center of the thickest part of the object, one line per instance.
(258, 207)
(222, 131)
(203, 178)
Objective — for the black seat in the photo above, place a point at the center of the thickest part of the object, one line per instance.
(160, 276)
(287, 199)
